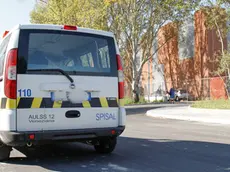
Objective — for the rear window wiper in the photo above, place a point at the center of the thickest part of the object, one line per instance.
(53, 70)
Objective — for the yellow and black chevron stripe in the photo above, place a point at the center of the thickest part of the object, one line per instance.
(41, 102)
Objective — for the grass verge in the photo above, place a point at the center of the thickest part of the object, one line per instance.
(129, 101)
(212, 104)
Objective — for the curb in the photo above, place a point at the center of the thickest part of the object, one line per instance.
(154, 105)
(216, 117)
(210, 110)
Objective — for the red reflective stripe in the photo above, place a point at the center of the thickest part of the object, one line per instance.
(121, 90)
(119, 64)
(5, 33)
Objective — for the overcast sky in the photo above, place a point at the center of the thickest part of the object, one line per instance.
(13, 12)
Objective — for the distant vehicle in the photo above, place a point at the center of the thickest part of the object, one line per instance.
(182, 95)
(156, 96)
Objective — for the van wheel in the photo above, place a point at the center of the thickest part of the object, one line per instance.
(106, 146)
(4, 152)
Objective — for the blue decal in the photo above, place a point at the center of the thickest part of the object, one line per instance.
(89, 96)
(25, 93)
(52, 96)
(105, 116)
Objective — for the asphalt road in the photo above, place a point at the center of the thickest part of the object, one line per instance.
(148, 144)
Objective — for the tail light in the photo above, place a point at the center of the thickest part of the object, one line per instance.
(67, 27)
(11, 74)
(121, 90)
(32, 136)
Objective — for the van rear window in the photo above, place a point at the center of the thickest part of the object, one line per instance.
(72, 52)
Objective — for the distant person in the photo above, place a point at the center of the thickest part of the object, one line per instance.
(172, 95)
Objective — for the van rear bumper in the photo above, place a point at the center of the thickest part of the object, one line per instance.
(43, 137)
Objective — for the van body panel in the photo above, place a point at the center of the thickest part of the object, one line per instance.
(32, 115)
(44, 97)
(8, 120)
(55, 119)
(7, 106)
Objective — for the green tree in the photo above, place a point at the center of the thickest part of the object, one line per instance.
(87, 13)
(135, 23)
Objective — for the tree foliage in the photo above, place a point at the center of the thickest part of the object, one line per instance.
(135, 23)
(87, 13)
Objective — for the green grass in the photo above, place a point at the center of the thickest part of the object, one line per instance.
(212, 104)
(129, 101)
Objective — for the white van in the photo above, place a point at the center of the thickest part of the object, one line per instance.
(60, 83)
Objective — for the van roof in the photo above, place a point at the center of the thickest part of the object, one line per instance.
(60, 27)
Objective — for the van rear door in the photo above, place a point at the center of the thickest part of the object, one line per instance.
(66, 80)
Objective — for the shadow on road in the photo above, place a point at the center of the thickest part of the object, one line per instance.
(133, 154)
(134, 110)
(140, 110)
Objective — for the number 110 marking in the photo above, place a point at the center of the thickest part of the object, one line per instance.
(25, 92)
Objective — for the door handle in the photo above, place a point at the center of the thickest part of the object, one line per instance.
(72, 114)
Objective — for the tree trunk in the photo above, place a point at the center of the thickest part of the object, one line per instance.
(228, 84)
(135, 85)
(136, 97)
(228, 74)
(222, 53)
(136, 92)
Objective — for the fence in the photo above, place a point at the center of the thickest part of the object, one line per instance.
(157, 91)
(215, 88)
(189, 90)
